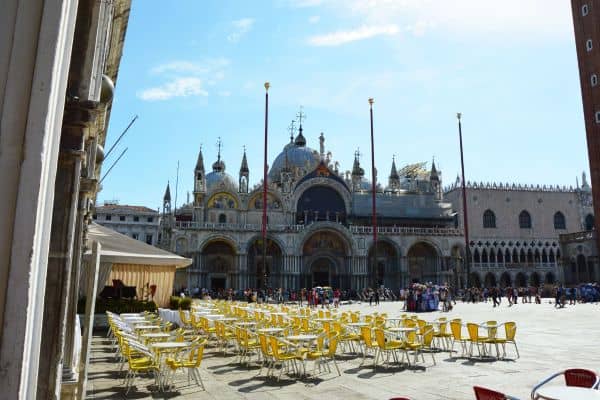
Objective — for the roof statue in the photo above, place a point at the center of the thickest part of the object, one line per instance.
(415, 170)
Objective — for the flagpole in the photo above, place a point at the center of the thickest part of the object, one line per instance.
(373, 193)
(464, 199)
(264, 215)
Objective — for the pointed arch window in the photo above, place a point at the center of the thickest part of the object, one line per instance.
(476, 257)
(589, 222)
(489, 219)
(559, 221)
(525, 220)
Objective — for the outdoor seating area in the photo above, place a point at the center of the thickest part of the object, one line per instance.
(298, 343)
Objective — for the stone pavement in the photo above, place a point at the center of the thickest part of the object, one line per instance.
(549, 340)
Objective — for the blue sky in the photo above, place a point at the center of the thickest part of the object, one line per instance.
(194, 71)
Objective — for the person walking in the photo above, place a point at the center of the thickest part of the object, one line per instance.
(376, 297)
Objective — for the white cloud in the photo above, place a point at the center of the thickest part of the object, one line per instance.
(224, 93)
(533, 18)
(191, 67)
(183, 78)
(181, 87)
(343, 37)
(314, 19)
(240, 28)
(305, 3)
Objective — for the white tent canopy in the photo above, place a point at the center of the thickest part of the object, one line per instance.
(121, 249)
(133, 262)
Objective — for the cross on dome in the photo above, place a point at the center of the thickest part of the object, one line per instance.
(301, 115)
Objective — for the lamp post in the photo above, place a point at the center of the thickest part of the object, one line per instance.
(464, 199)
(264, 214)
(373, 193)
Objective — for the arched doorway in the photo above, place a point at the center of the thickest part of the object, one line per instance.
(521, 280)
(475, 280)
(325, 253)
(384, 271)
(549, 279)
(264, 271)
(320, 203)
(322, 270)
(505, 280)
(422, 263)
(218, 259)
(534, 279)
(490, 280)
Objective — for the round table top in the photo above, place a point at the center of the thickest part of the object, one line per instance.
(567, 393)
(213, 316)
(358, 324)
(302, 338)
(401, 329)
(244, 323)
(270, 330)
(324, 319)
(228, 319)
(147, 327)
(278, 313)
(155, 335)
(170, 345)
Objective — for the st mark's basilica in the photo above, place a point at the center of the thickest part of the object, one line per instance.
(319, 225)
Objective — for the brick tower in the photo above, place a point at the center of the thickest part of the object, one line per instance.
(586, 23)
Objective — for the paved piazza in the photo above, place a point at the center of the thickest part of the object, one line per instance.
(549, 340)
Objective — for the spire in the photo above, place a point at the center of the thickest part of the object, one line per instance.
(300, 140)
(200, 162)
(167, 196)
(292, 129)
(356, 169)
(322, 145)
(219, 166)
(394, 172)
(244, 168)
(434, 173)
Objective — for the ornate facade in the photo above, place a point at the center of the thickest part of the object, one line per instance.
(319, 225)
(518, 233)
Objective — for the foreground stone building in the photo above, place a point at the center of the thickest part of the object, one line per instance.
(319, 225)
(58, 62)
(515, 232)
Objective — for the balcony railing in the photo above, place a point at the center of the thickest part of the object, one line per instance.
(395, 230)
(495, 266)
(577, 236)
(299, 228)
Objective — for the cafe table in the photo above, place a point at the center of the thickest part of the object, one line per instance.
(551, 392)
(302, 338)
(146, 327)
(357, 324)
(270, 331)
(155, 335)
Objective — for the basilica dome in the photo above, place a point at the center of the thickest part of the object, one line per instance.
(294, 155)
(219, 179)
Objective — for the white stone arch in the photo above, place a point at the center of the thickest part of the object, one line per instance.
(319, 181)
(385, 239)
(218, 190)
(430, 242)
(328, 226)
(285, 207)
(274, 238)
(219, 236)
